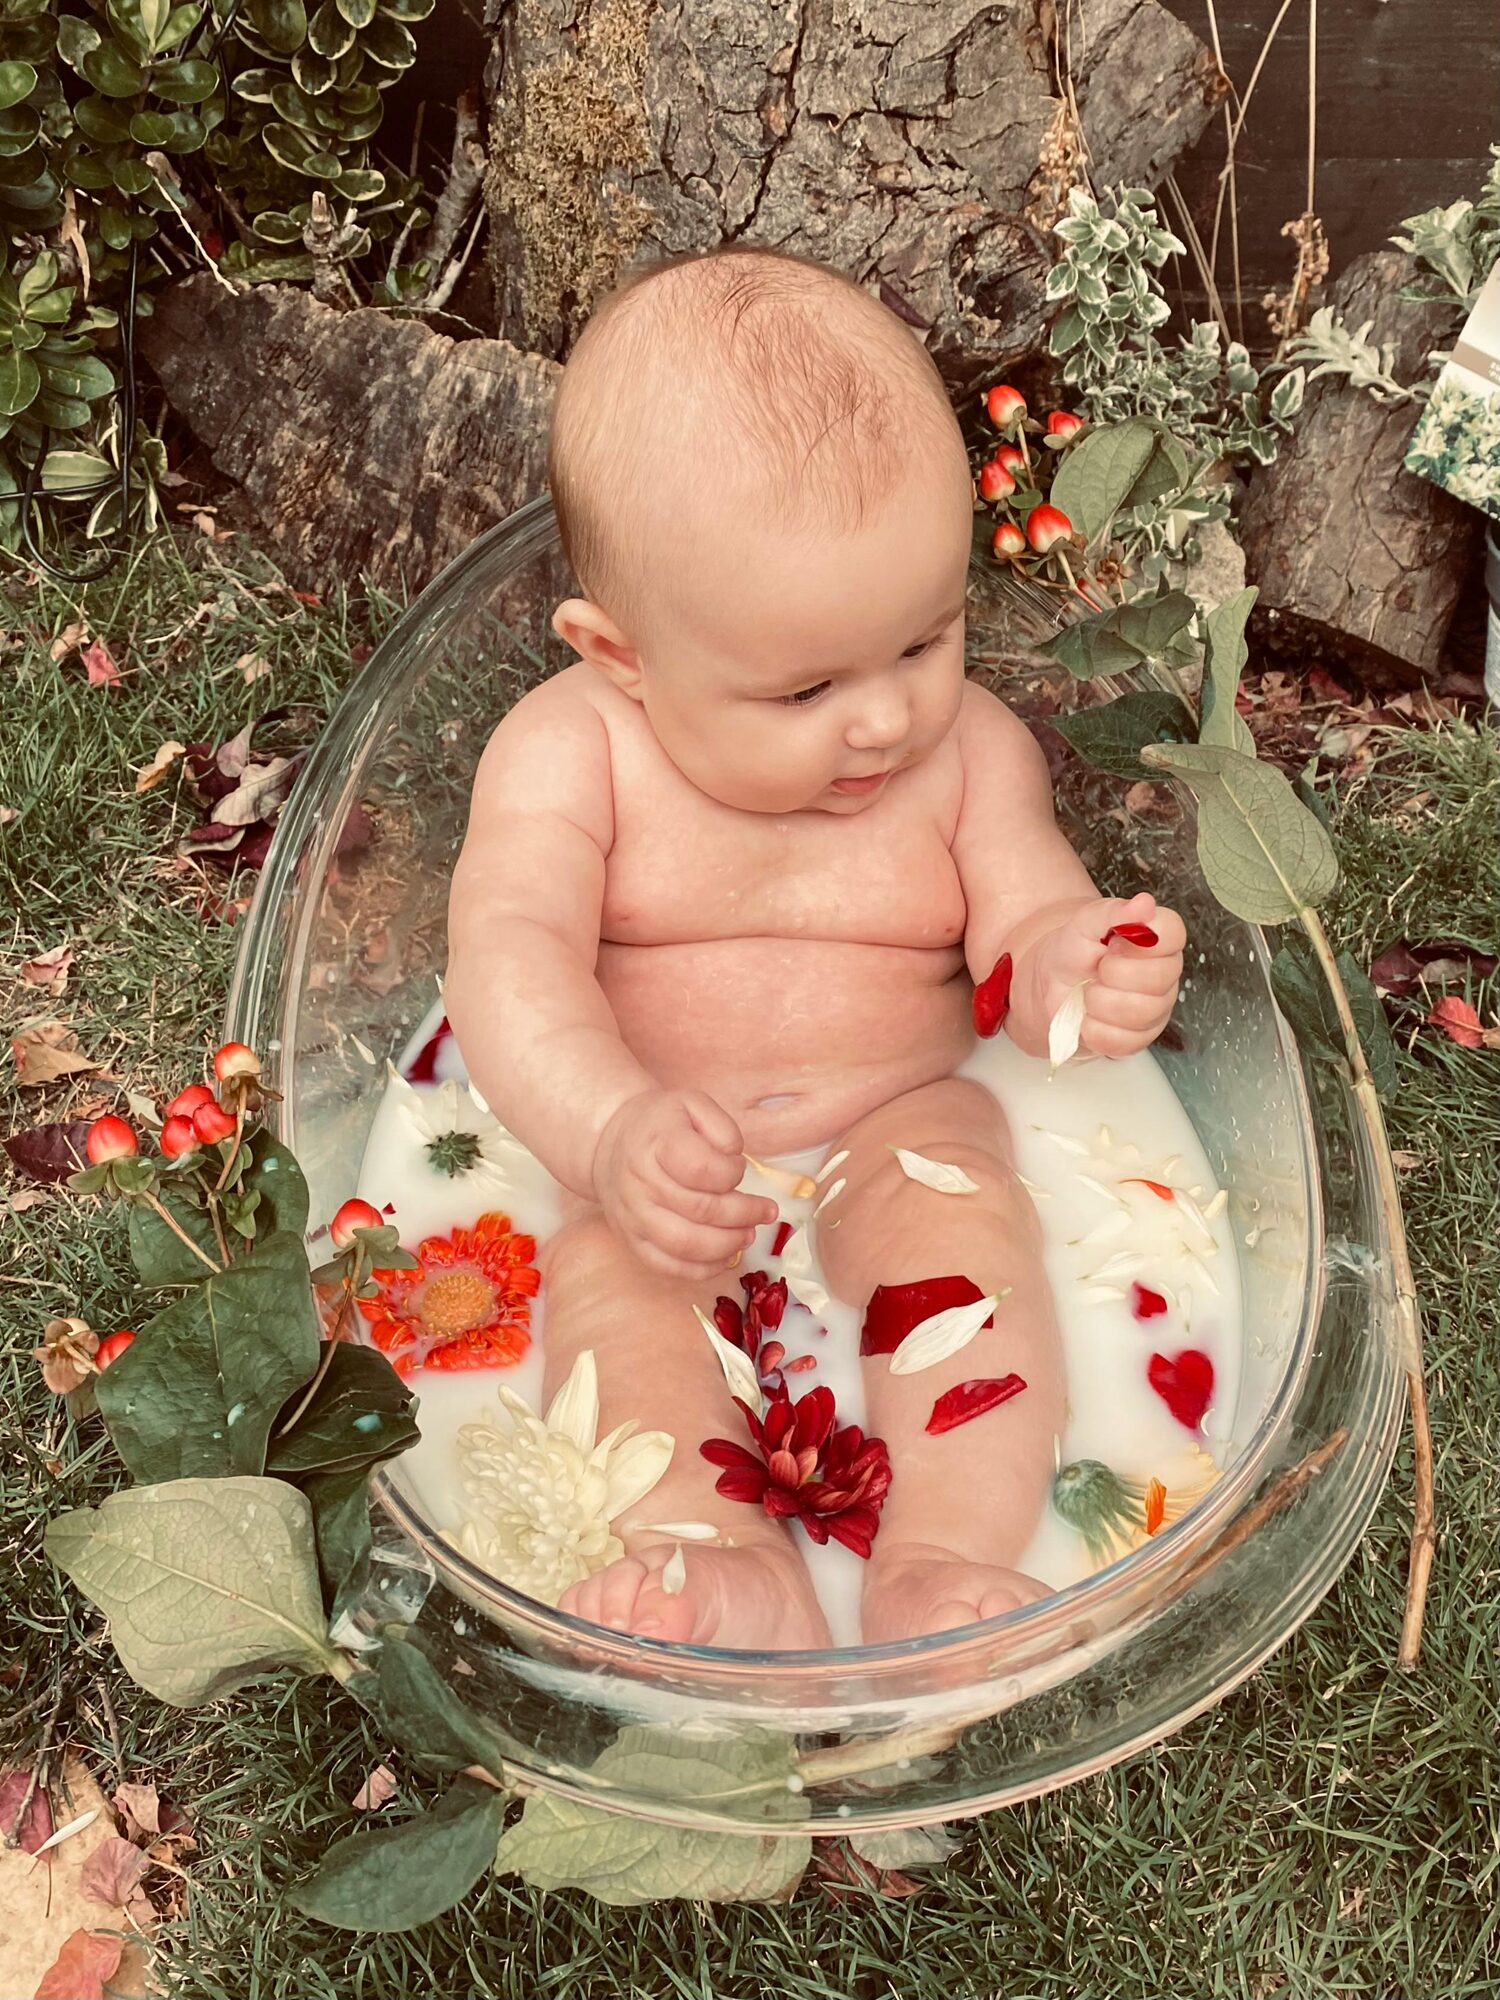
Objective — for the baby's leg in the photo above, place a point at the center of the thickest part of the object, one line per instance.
(655, 1364)
(963, 1504)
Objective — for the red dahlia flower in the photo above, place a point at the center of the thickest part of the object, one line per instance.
(746, 1326)
(833, 1481)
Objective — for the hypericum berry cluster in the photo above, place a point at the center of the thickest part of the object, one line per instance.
(194, 1120)
(1015, 481)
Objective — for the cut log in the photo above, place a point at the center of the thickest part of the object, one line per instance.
(366, 445)
(924, 150)
(1355, 557)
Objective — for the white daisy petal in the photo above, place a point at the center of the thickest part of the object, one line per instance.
(833, 1160)
(574, 1410)
(796, 1255)
(680, 1531)
(1111, 1195)
(1216, 1206)
(739, 1371)
(674, 1573)
(1036, 1193)
(939, 1175)
(633, 1468)
(1116, 1224)
(933, 1340)
(832, 1195)
(1066, 1027)
(808, 1292)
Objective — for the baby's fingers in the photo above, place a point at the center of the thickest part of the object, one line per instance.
(1143, 1013)
(1139, 972)
(669, 1242)
(741, 1213)
(688, 1160)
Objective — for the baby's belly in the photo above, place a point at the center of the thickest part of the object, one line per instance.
(794, 1037)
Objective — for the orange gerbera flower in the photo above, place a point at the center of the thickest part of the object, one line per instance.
(466, 1305)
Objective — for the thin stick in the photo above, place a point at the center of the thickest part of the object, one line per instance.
(1200, 255)
(1239, 124)
(179, 1232)
(1229, 172)
(1286, 1489)
(1408, 1312)
(13, 1831)
(325, 1359)
(112, 1723)
(1312, 105)
(234, 1152)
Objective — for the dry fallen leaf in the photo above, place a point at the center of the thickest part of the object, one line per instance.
(113, 1872)
(100, 665)
(1405, 1162)
(377, 1790)
(252, 666)
(139, 1806)
(42, 1055)
(1461, 1024)
(163, 761)
(49, 969)
(36, 1827)
(7, 814)
(80, 1969)
(70, 639)
(42, 1903)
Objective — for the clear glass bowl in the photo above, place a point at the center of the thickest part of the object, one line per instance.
(337, 967)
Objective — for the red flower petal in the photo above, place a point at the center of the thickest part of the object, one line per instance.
(1156, 1506)
(730, 1321)
(782, 1237)
(992, 998)
(1185, 1383)
(895, 1309)
(423, 1067)
(1145, 1303)
(799, 1364)
(771, 1355)
(720, 1451)
(1141, 934)
(1459, 1022)
(967, 1400)
(1158, 1188)
(763, 1298)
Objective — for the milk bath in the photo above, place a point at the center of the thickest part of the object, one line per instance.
(1087, 1140)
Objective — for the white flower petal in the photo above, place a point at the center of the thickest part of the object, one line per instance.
(833, 1160)
(574, 1410)
(796, 1255)
(1066, 1027)
(1203, 1272)
(1119, 1222)
(1102, 1294)
(1111, 1195)
(634, 1468)
(1065, 1143)
(680, 1531)
(1216, 1206)
(780, 1183)
(674, 1573)
(939, 1175)
(1036, 1193)
(933, 1340)
(1124, 1264)
(739, 1371)
(1198, 1219)
(808, 1292)
(832, 1195)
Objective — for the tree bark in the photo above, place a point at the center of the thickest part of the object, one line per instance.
(925, 149)
(367, 445)
(1355, 556)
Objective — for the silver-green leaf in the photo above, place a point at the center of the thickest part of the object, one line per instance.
(205, 1582)
(1263, 854)
(1224, 657)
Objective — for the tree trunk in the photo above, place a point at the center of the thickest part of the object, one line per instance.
(366, 445)
(922, 148)
(1356, 557)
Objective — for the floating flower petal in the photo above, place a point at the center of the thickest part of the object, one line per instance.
(895, 1309)
(992, 998)
(944, 1334)
(739, 1369)
(1155, 1506)
(1185, 1383)
(1146, 1303)
(1066, 1027)
(938, 1175)
(1141, 934)
(967, 1400)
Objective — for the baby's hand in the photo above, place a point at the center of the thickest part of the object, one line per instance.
(665, 1173)
(1132, 988)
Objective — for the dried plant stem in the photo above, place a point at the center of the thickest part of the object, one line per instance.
(1229, 176)
(154, 1203)
(1312, 106)
(234, 1151)
(1271, 1502)
(112, 1724)
(1239, 125)
(13, 1831)
(1199, 255)
(325, 1359)
(1408, 1313)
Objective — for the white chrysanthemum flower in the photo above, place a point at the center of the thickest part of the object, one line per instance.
(459, 1134)
(545, 1491)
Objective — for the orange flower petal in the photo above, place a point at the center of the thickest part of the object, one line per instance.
(1158, 1188)
(1156, 1506)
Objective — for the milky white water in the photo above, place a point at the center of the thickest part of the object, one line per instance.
(1077, 1134)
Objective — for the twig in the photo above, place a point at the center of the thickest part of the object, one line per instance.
(239, 1127)
(154, 1204)
(112, 1723)
(1285, 1490)
(440, 294)
(1239, 125)
(451, 210)
(166, 179)
(325, 1359)
(1200, 256)
(1408, 1312)
(1229, 173)
(13, 1831)
(1312, 106)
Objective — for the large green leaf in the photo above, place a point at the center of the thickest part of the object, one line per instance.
(205, 1582)
(273, 1174)
(108, 124)
(20, 383)
(408, 1874)
(419, 1709)
(360, 1413)
(1263, 854)
(340, 1503)
(197, 1392)
(386, 42)
(358, 13)
(19, 127)
(17, 81)
(1095, 478)
(112, 73)
(187, 82)
(281, 24)
(83, 375)
(1110, 736)
(328, 34)
(75, 38)
(1224, 656)
(560, 1844)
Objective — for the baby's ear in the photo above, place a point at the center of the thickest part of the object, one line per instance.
(595, 637)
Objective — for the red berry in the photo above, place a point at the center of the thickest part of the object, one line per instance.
(1045, 526)
(186, 1102)
(1012, 457)
(234, 1059)
(992, 998)
(178, 1137)
(211, 1122)
(110, 1139)
(1004, 405)
(1008, 542)
(995, 483)
(355, 1214)
(112, 1347)
(1063, 424)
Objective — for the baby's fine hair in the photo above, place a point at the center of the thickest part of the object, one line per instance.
(738, 371)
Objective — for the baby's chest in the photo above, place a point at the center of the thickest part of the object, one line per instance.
(676, 875)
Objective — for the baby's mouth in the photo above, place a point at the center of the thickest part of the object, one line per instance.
(856, 786)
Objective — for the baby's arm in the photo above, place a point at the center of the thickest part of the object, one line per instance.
(537, 1033)
(1028, 894)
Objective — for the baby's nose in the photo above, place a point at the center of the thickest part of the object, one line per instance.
(882, 723)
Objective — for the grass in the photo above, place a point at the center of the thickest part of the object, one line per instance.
(1323, 1832)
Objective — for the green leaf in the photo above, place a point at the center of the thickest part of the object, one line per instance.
(256, 85)
(17, 81)
(415, 1704)
(19, 127)
(360, 183)
(405, 1875)
(328, 34)
(181, 22)
(1151, 624)
(1303, 995)
(407, 10)
(34, 283)
(1263, 854)
(132, 176)
(75, 38)
(386, 42)
(1096, 476)
(312, 72)
(106, 123)
(358, 13)
(20, 383)
(560, 1844)
(340, 1503)
(1224, 656)
(153, 15)
(1091, 647)
(151, 128)
(281, 24)
(198, 1391)
(1371, 1024)
(83, 375)
(205, 1582)
(186, 82)
(75, 468)
(112, 73)
(362, 1412)
(184, 132)
(1110, 736)
(159, 1257)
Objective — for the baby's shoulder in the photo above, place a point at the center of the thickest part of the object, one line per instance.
(550, 752)
(998, 750)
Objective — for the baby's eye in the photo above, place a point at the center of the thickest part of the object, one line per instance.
(803, 696)
(916, 652)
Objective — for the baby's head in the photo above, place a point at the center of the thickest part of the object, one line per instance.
(764, 491)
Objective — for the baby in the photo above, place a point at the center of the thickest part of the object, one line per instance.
(727, 886)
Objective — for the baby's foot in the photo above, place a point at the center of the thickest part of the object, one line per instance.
(927, 1589)
(747, 1597)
